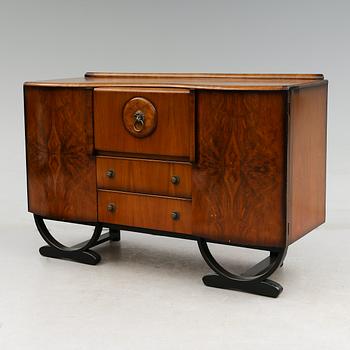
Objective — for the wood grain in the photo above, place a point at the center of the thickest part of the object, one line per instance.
(239, 181)
(153, 212)
(307, 160)
(60, 163)
(173, 135)
(207, 81)
(144, 176)
(250, 151)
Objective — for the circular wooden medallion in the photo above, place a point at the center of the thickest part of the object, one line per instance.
(140, 117)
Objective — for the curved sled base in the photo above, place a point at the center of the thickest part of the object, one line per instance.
(86, 256)
(252, 281)
(80, 252)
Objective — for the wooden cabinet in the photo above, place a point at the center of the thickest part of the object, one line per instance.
(236, 159)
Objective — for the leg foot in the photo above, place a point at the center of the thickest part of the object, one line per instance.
(79, 253)
(266, 288)
(88, 257)
(254, 280)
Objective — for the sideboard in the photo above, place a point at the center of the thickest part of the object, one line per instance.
(235, 159)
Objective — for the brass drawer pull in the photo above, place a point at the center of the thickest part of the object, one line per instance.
(175, 180)
(175, 215)
(110, 173)
(139, 121)
(111, 207)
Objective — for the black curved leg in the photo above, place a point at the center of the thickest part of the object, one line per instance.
(78, 253)
(255, 280)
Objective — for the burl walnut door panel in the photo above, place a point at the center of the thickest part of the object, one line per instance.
(60, 163)
(239, 182)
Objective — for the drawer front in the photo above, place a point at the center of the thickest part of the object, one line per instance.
(145, 176)
(146, 211)
(145, 121)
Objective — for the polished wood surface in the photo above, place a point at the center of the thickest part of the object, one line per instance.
(307, 160)
(145, 176)
(154, 212)
(239, 180)
(173, 135)
(250, 152)
(60, 163)
(209, 81)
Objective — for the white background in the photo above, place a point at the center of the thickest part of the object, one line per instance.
(147, 292)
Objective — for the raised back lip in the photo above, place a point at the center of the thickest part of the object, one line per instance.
(224, 76)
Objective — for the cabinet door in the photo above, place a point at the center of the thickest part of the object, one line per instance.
(61, 171)
(239, 182)
(166, 122)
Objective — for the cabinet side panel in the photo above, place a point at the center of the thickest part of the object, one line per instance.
(239, 182)
(60, 163)
(307, 160)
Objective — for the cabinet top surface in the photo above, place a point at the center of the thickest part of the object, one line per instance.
(209, 81)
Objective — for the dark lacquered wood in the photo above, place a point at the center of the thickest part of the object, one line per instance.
(147, 211)
(60, 163)
(239, 181)
(144, 176)
(173, 135)
(307, 160)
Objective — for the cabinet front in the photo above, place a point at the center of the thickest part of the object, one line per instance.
(151, 122)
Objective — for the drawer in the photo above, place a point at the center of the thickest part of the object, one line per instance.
(145, 121)
(145, 176)
(146, 211)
